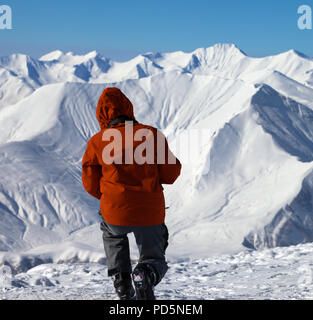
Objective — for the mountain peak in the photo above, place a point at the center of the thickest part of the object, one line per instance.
(59, 55)
(91, 54)
(54, 55)
(300, 54)
(220, 49)
(227, 47)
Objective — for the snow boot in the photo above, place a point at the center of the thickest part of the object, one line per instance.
(144, 277)
(123, 286)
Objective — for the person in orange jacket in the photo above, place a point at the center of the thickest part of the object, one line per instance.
(125, 165)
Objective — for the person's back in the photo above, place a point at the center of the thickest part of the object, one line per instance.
(125, 165)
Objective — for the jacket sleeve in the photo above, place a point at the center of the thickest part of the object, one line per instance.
(170, 167)
(91, 171)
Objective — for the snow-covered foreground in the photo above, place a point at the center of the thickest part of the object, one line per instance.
(279, 273)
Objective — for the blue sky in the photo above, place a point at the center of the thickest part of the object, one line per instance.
(122, 29)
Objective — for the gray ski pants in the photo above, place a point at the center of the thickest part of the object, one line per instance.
(152, 242)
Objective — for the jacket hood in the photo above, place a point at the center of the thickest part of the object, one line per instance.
(112, 104)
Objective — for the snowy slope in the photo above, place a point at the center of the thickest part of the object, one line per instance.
(248, 184)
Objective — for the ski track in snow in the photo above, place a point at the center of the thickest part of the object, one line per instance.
(280, 273)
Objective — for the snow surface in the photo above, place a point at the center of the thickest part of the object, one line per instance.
(249, 184)
(280, 273)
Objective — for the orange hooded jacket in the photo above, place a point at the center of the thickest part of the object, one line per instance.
(131, 194)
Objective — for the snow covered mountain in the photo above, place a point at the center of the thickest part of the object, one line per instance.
(250, 184)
